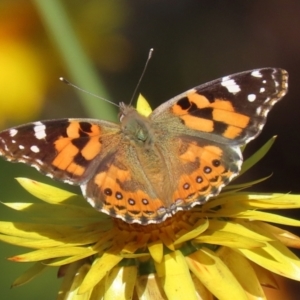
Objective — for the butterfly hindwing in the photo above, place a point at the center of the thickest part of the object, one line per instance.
(123, 187)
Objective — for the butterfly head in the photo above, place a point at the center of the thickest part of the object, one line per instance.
(134, 125)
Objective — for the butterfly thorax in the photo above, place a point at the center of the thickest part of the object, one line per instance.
(135, 126)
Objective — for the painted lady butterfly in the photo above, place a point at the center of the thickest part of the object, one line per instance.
(145, 169)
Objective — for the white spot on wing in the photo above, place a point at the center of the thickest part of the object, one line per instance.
(4, 145)
(39, 130)
(13, 132)
(261, 126)
(230, 85)
(69, 182)
(264, 113)
(258, 110)
(35, 149)
(21, 147)
(256, 74)
(251, 97)
(262, 90)
(37, 167)
(39, 162)
(83, 189)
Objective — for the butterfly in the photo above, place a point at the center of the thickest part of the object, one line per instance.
(146, 169)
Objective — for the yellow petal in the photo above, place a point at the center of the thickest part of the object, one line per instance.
(35, 231)
(276, 258)
(61, 213)
(238, 227)
(47, 253)
(215, 275)
(120, 282)
(247, 200)
(274, 201)
(241, 186)
(68, 278)
(100, 267)
(243, 272)
(58, 262)
(287, 238)
(267, 217)
(175, 277)
(156, 250)
(45, 192)
(36, 244)
(143, 106)
(30, 274)
(265, 277)
(200, 227)
(228, 239)
(167, 241)
(148, 287)
(98, 290)
(131, 247)
(202, 292)
(75, 274)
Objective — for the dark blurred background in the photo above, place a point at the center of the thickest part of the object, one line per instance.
(194, 42)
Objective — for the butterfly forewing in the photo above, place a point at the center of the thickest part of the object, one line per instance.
(64, 149)
(232, 109)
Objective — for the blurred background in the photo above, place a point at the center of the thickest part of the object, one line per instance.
(102, 46)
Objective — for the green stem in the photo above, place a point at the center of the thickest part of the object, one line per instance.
(79, 66)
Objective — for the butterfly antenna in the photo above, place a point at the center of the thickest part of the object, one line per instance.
(84, 91)
(143, 73)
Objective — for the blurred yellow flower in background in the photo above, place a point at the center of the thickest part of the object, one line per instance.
(22, 82)
(22, 76)
(31, 62)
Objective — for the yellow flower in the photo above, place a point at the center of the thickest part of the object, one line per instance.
(19, 88)
(223, 248)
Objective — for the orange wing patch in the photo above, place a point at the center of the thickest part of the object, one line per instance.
(230, 118)
(199, 113)
(73, 130)
(194, 97)
(121, 202)
(78, 147)
(204, 180)
(198, 123)
(65, 158)
(232, 132)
